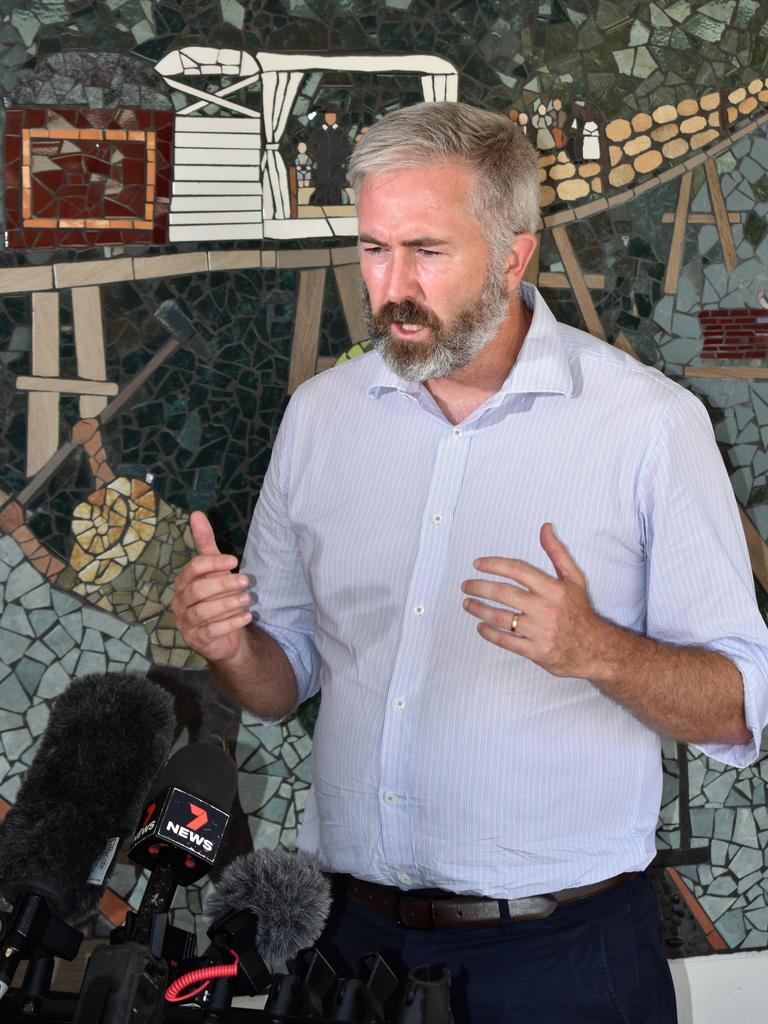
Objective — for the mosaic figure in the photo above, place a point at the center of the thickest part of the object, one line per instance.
(575, 141)
(560, 119)
(303, 165)
(542, 122)
(590, 146)
(329, 150)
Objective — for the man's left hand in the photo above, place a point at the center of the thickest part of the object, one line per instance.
(554, 622)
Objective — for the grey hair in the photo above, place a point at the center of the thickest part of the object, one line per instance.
(506, 201)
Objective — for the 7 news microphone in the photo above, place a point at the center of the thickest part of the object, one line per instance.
(58, 840)
(178, 838)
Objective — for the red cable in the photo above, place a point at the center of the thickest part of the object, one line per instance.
(175, 992)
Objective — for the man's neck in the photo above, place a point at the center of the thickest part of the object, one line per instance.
(464, 391)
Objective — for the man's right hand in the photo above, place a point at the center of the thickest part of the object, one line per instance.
(210, 601)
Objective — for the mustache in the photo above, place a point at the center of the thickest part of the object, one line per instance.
(406, 312)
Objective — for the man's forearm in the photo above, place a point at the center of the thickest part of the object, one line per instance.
(688, 693)
(260, 677)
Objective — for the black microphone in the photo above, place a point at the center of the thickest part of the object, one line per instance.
(106, 740)
(182, 827)
(178, 837)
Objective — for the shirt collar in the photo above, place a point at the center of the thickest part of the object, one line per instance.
(541, 366)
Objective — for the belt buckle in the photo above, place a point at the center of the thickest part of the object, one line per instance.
(430, 905)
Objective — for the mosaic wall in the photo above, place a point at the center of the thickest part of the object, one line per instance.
(193, 153)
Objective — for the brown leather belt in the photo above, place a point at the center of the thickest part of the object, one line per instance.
(435, 909)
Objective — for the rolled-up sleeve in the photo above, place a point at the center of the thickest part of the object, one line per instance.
(700, 588)
(282, 604)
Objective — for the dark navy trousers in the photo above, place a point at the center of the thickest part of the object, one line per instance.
(597, 961)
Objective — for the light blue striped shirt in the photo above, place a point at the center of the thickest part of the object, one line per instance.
(440, 759)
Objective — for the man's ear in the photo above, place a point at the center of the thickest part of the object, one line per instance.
(520, 255)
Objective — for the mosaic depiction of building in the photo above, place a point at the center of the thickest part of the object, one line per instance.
(194, 154)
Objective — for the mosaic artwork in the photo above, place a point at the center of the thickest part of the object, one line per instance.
(163, 151)
(86, 177)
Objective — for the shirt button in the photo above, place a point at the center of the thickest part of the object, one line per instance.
(457, 432)
(400, 703)
(404, 878)
(389, 798)
(437, 518)
(418, 609)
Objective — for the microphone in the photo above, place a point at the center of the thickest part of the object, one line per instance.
(267, 906)
(178, 838)
(105, 741)
(182, 826)
(286, 894)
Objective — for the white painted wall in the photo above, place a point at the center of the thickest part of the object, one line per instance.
(725, 989)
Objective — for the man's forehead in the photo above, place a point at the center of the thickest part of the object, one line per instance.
(425, 202)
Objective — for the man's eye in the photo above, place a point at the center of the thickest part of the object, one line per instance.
(429, 252)
(373, 250)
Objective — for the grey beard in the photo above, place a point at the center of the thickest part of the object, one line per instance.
(452, 346)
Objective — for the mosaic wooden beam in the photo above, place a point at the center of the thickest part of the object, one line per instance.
(721, 216)
(677, 245)
(306, 327)
(349, 282)
(89, 346)
(577, 282)
(727, 372)
(43, 408)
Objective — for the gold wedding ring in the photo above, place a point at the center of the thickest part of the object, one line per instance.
(513, 623)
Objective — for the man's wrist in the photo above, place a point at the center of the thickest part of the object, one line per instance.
(611, 650)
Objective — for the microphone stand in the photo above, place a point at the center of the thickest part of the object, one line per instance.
(125, 981)
(31, 932)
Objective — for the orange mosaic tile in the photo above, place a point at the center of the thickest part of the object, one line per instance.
(714, 938)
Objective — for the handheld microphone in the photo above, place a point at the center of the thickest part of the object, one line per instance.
(178, 837)
(106, 740)
(182, 826)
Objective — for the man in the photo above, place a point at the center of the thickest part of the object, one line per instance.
(488, 797)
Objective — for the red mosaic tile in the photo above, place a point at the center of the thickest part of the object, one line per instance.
(77, 177)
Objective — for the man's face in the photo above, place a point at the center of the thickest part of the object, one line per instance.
(434, 300)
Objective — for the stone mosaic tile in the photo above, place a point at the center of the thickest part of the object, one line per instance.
(31, 672)
(726, 816)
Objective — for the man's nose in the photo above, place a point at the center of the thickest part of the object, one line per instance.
(402, 280)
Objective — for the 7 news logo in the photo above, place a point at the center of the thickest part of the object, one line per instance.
(190, 830)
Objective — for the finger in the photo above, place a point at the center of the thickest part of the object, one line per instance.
(515, 569)
(206, 565)
(559, 555)
(501, 593)
(202, 534)
(507, 640)
(211, 631)
(211, 587)
(502, 619)
(215, 610)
